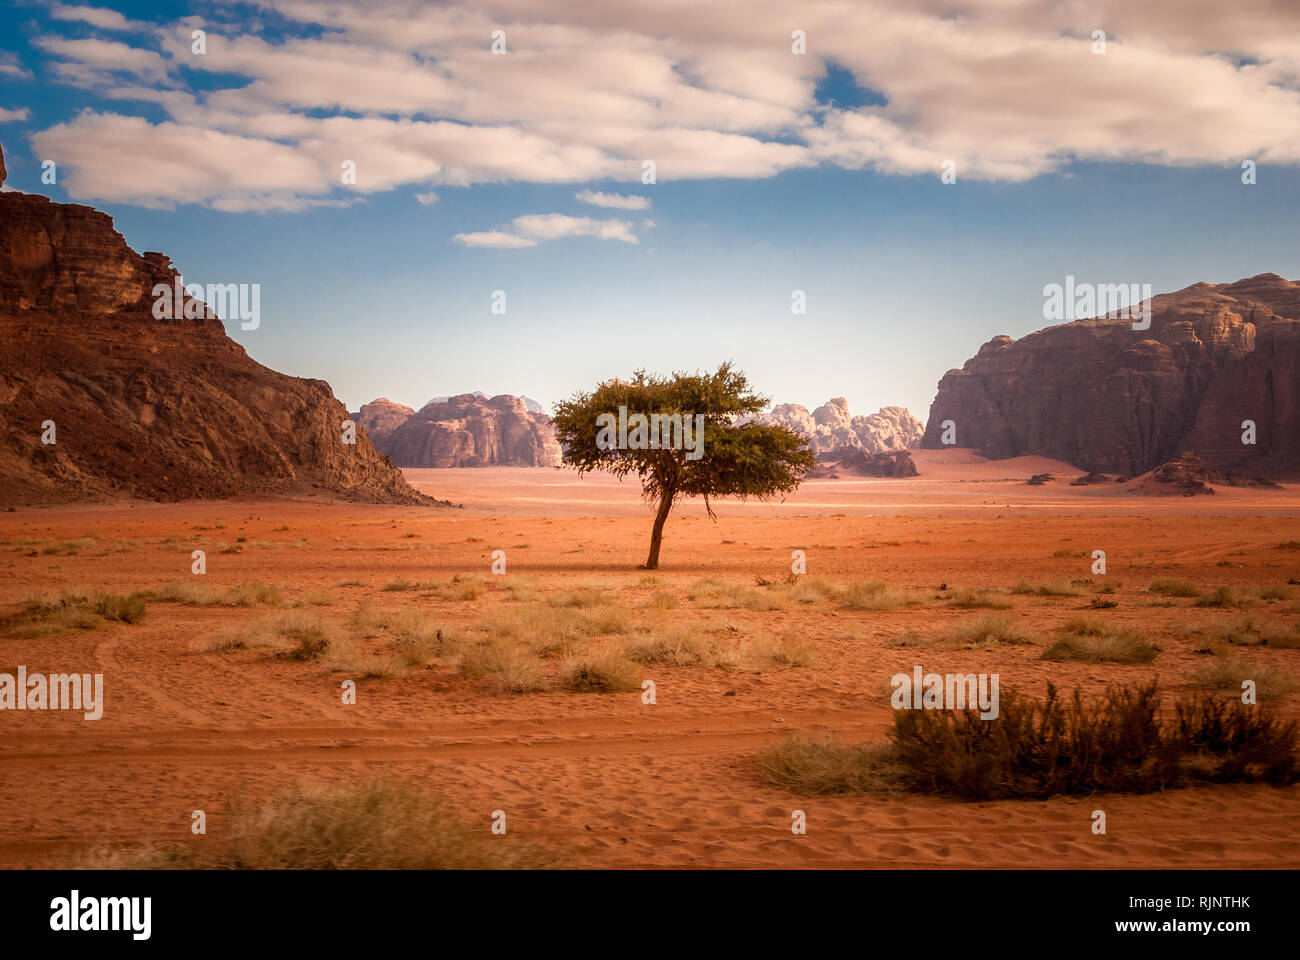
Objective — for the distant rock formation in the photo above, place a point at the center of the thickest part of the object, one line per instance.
(1189, 475)
(831, 427)
(469, 430)
(857, 461)
(380, 418)
(161, 409)
(1107, 398)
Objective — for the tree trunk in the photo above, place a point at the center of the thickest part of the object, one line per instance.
(657, 535)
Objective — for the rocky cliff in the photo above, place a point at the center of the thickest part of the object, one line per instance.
(1105, 397)
(831, 427)
(135, 406)
(463, 431)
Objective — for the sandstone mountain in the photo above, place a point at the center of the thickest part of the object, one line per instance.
(1105, 397)
(162, 409)
(831, 427)
(469, 430)
(381, 417)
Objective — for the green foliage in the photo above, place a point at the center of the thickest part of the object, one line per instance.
(735, 460)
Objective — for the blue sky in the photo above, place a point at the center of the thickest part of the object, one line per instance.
(905, 276)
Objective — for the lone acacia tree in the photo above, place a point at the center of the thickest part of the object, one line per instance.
(634, 427)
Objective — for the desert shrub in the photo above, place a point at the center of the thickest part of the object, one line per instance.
(582, 598)
(681, 646)
(126, 608)
(606, 673)
(783, 650)
(1052, 588)
(1247, 632)
(194, 593)
(878, 595)
(520, 588)
(544, 630)
(252, 593)
(462, 587)
(605, 620)
(315, 598)
(1227, 674)
(1224, 597)
(69, 610)
(968, 599)
(1174, 587)
(69, 548)
(711, 593)
(1277, 591)
(312, 636)
(825, 765)
(510, 668)
(991, 628)
(378, 826)
(1087, 626)
(1244, 744)
(1062, 746)
(1035, 749)
(807, 590)
(661, 601)
(1109, 645)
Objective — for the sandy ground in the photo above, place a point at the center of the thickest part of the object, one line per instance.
(605, 779)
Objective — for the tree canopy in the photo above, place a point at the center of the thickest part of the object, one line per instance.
(680, 437)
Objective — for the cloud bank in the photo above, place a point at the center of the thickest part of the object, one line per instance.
(413, 96)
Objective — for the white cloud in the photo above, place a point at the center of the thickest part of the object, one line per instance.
(10, 67)
(494, 238)
(1006, 90)
(427, 199)
(553, 226)
(617, 201)
(14, 116)
(96, 16)
(530, 229)
(88, 60)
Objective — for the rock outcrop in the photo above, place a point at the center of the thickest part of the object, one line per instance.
(464, 431)
(381, 417)
(831, 427)
(1188, 475)
(160, 409)
(1107, 398)
(858, 462)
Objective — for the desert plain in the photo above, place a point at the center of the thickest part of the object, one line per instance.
(471, 683)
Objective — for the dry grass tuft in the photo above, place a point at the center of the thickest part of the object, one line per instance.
(1174, 587)
(378, 826)
(604, 673)
(54, 614)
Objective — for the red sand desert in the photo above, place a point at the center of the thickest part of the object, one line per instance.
(602, 779)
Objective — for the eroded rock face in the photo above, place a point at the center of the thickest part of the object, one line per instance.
(1107, 398)
(467, 431)
(381, 417)
(159, 409)
(831, 427)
